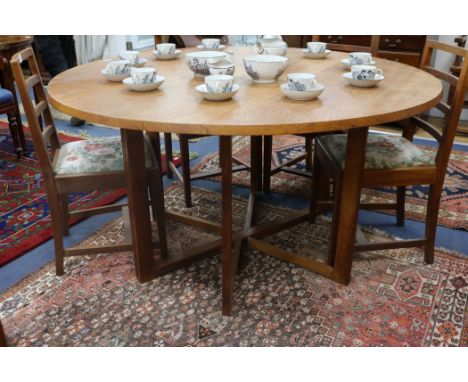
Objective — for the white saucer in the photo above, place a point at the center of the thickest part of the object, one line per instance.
(140, 64)
(346, 64)
(362, 83)
(114, 77)
(301, 95)
(313, 55)
(143, 87)
(211, 96)
(160, 56)
(202, 47)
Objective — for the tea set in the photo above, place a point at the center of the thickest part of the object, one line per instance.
(133, 56)
(364, 73)
(358, 58)
(218, 87)
(211, 44)
(302, 87)
(217, 68)
(316, 49)
(143, 79)
(271, 45)
(166, 51)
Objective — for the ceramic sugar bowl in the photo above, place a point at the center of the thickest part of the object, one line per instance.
(271, 44)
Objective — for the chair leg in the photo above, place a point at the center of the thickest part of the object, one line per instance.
(308, 149)
(22, 138)
(400, 212)
(185, 158)
(335, 222)
(432, 213)
(267, 153)
(156, 189)
(57, 226)
(13, 125)
(314, 189)
(65, 214)
(168, 149)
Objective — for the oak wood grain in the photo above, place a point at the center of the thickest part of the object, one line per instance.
(257, 109)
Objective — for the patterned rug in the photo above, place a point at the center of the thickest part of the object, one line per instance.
(454, 204)
(393, 299)
(24, 211)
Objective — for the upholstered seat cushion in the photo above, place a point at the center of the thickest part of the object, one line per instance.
(94, 156)
(5, 96)
(382, 151)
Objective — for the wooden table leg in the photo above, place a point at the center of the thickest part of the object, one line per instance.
(350, 196)
(256, 163)
(136, 177)
(228, 273)
(267, 152)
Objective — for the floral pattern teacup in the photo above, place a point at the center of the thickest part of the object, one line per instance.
(210, 43)
(360, 58)
(118, 67)
(219, 83)
(365, 72)
(131, 55)
(316, 47)
(143, 75)
(166, 48)
(302, 82)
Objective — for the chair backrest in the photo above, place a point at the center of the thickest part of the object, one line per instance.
(37, 110)
(453, 107)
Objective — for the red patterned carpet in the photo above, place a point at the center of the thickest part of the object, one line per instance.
(393, 299)
(24, 212)
(454, 203)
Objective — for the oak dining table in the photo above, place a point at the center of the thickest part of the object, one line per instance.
(257, 110)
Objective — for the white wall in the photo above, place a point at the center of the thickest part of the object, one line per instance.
(443, 61)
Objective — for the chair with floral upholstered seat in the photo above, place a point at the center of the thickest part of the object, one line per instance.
(396, 161)
(80, 166)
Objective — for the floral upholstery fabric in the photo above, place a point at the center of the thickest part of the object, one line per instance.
(382, 151)
(94, 155)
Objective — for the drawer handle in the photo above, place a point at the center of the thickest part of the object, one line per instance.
(392, 44)
(335, 41)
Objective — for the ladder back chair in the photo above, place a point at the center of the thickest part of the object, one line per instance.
(396, 161)
(80, 166)
(287, 166)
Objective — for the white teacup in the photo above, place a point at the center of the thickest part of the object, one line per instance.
(316, 47)
(166, 48)
(118, 67)
(365, 72)
(143, 75)
(219, 83)
(210, 43)
(131, 55)
(302, 81)
(360, 58)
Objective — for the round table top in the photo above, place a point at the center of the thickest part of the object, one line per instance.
(257, 109)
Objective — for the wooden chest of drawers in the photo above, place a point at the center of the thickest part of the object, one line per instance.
(407, 49)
